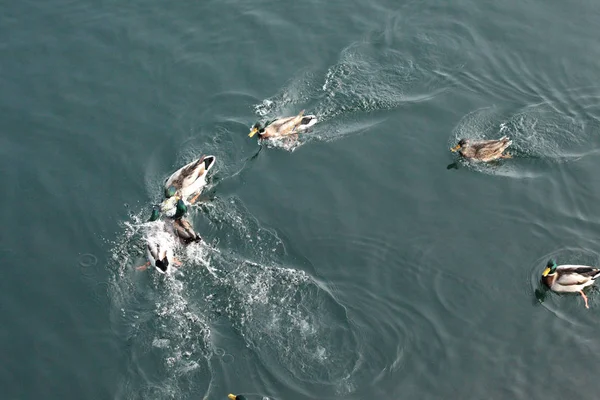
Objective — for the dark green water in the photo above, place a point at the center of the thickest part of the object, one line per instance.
(352, 266)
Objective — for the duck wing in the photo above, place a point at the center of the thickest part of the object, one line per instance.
(285, 126)
(488, 148)
(576, 275)
(186, 175)
(184, 230)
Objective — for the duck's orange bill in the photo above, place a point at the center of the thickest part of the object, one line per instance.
(455, 148)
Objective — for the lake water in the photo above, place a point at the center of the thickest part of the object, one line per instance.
(355, 264)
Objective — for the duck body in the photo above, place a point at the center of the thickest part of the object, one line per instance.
(484, 150)
(160, 255)
(569, 278)
(189, 179)
(284, 126)
(184, 231)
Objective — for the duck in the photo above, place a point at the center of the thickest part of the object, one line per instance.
(159, 254)
(569, 278)
(190, 179)
(173, 207)
(184, 231)
(283, 126)
(483, 150)
(234, 397)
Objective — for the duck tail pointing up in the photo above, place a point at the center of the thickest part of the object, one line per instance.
(308, 121)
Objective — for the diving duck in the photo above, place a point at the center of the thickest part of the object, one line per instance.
(569, 278)
(283, 126)
(234, 397)
(160, 254)
(189, 179)
(484, 150)
(184, 231)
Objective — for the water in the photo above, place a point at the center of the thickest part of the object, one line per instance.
(353, 264)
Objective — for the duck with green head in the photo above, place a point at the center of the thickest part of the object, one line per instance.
(160, 255)
(569, 278)
(173, 207)
(176, 212)
(283, 126)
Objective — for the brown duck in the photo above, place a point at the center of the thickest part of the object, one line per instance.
(484, 150)
(283, 126)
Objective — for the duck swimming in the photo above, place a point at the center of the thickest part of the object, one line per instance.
(569, 278)
(189, 179)
(184, 231)
(283, 126)
(173, 207)
(186, 181)
(484, 150)
(159, 254)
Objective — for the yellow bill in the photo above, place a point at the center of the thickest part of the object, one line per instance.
(455, 148)
(253, 132)
(231, 396)
(546, 271)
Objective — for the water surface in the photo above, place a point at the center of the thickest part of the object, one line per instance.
(352, 264)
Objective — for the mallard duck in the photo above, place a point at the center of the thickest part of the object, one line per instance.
(173, 207)
(484, 150)
(184, 230)
(569, 278)
(160, 254)
(189, 179)
(234, 397)
(283, 126)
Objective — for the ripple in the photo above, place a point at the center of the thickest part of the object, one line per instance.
(237, 229)
(228, 358)
(384, 303)
(538, 133)
(88, 260)
(292, 322)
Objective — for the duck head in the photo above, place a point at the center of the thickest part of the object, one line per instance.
(461, 143)
(257, 127)
(177, 203)
(155, 213)
(550, 269)
(549, 275)
(180, 209)
(170, 191)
